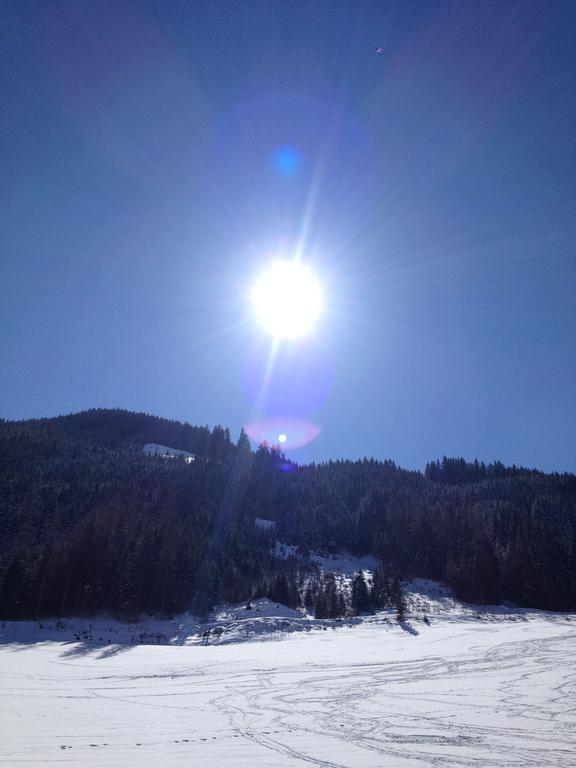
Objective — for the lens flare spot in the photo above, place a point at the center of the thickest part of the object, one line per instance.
(286, 161)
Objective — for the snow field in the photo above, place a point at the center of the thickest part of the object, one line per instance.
(456, 693)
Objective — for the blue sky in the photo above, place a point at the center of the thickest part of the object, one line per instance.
(156, 155)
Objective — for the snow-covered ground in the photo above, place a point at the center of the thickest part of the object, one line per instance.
(460, 691)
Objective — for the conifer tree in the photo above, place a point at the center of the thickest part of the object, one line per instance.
(380, 595)
(360, 594)
(398, 599)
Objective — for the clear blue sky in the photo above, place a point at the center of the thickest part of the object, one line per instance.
(155, 154)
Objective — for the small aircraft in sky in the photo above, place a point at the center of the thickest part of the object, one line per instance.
(380, 50)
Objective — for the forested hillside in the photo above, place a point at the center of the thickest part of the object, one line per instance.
(90, 523)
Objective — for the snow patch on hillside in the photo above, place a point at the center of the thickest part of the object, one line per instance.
(345, 563)
(264, 525)
(165, 452)
(284, 551)
(262, 608)
(342, 563)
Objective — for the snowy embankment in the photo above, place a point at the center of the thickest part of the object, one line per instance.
(259, 620)
(452, 693)
(263, 620)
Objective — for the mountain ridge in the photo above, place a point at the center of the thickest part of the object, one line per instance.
(92, 523)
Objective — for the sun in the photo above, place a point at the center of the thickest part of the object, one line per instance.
(287, 299)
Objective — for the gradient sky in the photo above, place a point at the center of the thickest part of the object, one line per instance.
(155, 156)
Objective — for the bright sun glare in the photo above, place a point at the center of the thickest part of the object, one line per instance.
(287, 299)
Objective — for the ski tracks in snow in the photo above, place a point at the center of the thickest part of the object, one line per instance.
(510, 705)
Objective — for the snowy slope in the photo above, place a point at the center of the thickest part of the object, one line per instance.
(379, 695)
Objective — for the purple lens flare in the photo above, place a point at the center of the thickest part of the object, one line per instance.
(297, 432)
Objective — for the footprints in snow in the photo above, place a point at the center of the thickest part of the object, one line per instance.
(176, 741)
(69, 746)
